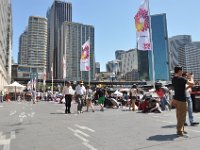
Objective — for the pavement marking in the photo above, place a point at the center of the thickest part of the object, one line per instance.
(22, 116)
(84, 128)
(85, 141)
(13, 112)
(78, 131)
(81, 138)
(89, 146)
(12, 135)
(1, 106)
(193, 130)
(6, 142)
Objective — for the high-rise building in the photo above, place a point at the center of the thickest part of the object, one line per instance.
(59, 12)
(32, 54)
(5, 42)
(72, 37)
(143, 65)
(97, 66)
(23, 48)
(118, 54)
(37, 41)
(113, 66)
(175, 43)
(188, 57)
(160, 48)
(130, 64)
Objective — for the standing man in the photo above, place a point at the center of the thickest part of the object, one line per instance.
(80, 91)
(189, 76)
(67, 92)
(179, 84)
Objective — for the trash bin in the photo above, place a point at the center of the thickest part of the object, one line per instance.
(196, 102)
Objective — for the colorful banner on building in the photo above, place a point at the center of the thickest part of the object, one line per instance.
(85, 57)
(142, 25)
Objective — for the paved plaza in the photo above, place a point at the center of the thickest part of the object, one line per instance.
(44, 126)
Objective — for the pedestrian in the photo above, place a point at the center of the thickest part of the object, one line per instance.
(89, 97)
(101, 97)
(33, 95)
(67, 92)
(189, 76)
(133, 96)
(80, 93)
(1, 96)
(179, 84)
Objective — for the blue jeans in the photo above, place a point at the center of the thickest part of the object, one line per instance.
(190, 109)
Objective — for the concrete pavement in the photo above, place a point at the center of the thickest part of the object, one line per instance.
(44, 126)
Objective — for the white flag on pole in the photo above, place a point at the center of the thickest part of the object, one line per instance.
(85, 57)
(142, 25)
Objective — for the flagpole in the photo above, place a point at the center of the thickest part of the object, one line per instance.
(151, 39)
(89, 65)
(52, 80)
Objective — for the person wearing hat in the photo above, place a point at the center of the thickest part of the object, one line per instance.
(80, 91)
(67, 92)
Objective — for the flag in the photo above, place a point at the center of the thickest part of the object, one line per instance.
(142, 25)
(44, 76)
(85, 56)
(64, 67)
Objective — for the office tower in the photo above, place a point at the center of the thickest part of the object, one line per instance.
(175, 43)
(97, 66)
(72, 37)
(59, 12)
(113, 66)
(143, 65)
(160, 48)
(130, 64)
(188, 57)
(5, 42)
(23, 48)
(118, 54)
(37, 41)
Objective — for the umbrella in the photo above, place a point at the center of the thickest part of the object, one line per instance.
(14, 87)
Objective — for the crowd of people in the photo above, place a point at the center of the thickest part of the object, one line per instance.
(158, 99)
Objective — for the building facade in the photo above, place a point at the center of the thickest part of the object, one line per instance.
(23, 48)
(175, 43)
(37, 41)
(72, 37)
(160, 48)
(189, 58)
(143, 65)
(130, 64)
(59, 12)
(118, 54)
(5, 42)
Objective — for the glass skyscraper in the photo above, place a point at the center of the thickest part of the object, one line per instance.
(160, 48)
(59, 12)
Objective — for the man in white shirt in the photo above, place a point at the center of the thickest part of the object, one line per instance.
(80, 92)
(67, 93)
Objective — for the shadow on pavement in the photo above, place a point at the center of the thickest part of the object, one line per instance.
(169, 137)
(169, 126)
(57, 113)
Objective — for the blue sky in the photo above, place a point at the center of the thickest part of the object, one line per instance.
(113, 21)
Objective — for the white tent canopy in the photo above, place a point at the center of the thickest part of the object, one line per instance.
(14, 87)
(117, 94)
